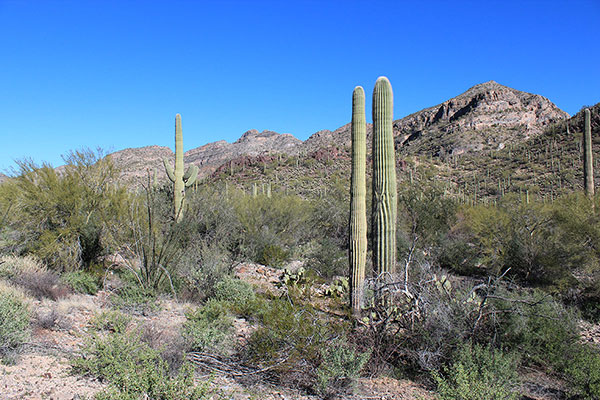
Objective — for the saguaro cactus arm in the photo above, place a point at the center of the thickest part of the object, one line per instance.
(169, 170)
(190, 175)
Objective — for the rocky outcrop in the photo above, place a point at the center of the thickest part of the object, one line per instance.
(488, 115)
(252, 143)
(134, 162)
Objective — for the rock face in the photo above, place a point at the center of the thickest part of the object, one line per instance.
(3, 177)
(252, 143)
(486, 116)
(134, 162)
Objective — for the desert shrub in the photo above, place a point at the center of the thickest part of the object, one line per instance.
(133, 296)
(213, 219)
(11, 266)
(272, 255)
(435, 314)
(47, 319)
(41, 284)
(277, 224)
(134, 370)
(478, 372)
(531, 322)
(339, 368)
(542, 244)
(583, 373)
(238, 294)
(328, 259)
(209, 328)
(81, 282)
(62, 217)
(425, 217)
(14, 319)
(111, 321)
(201, 267)
(290, 339)
(167, 341)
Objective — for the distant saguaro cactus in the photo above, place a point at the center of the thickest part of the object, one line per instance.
(358, 205)
(180, 179)
(588, 158)
(384, 181)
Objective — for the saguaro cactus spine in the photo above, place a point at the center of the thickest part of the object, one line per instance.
(180, 179)
(358, 204)
(384, 181)
(588, 158)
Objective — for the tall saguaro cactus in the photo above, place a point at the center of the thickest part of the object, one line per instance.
(384, 182)
(180, 179)
(588, 158)
(358, 204)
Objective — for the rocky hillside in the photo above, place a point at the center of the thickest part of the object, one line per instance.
(3, 177)
(134, 162)
(488, 116)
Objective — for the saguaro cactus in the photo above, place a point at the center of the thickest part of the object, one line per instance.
(588, 158)
(358, 205)
(180, 179)
(384, 182)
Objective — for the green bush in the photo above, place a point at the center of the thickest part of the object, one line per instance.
(112, 321)
(133, 296)
(272, 255)
(209, 328)
(81, 282)
(583, 373)
(202, 266)
(477, 373)
(542, 330)
(14, 319)
(329, 259)
(135, 371)
(340, 367)
(290, 339)
(64, 218)
(237, 293)
(272, 227)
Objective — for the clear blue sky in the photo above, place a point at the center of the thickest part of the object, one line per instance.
(113, 74)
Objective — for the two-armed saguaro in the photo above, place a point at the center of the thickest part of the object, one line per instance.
(180, 179)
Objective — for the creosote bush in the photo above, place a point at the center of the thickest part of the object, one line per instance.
(477, 372)
(209, 328)
(14, 319)
(81, 282)
(134, 370)
(339, 368)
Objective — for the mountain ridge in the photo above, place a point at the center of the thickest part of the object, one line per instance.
(486, 116)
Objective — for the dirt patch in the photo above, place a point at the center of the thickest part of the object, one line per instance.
(37, 376)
